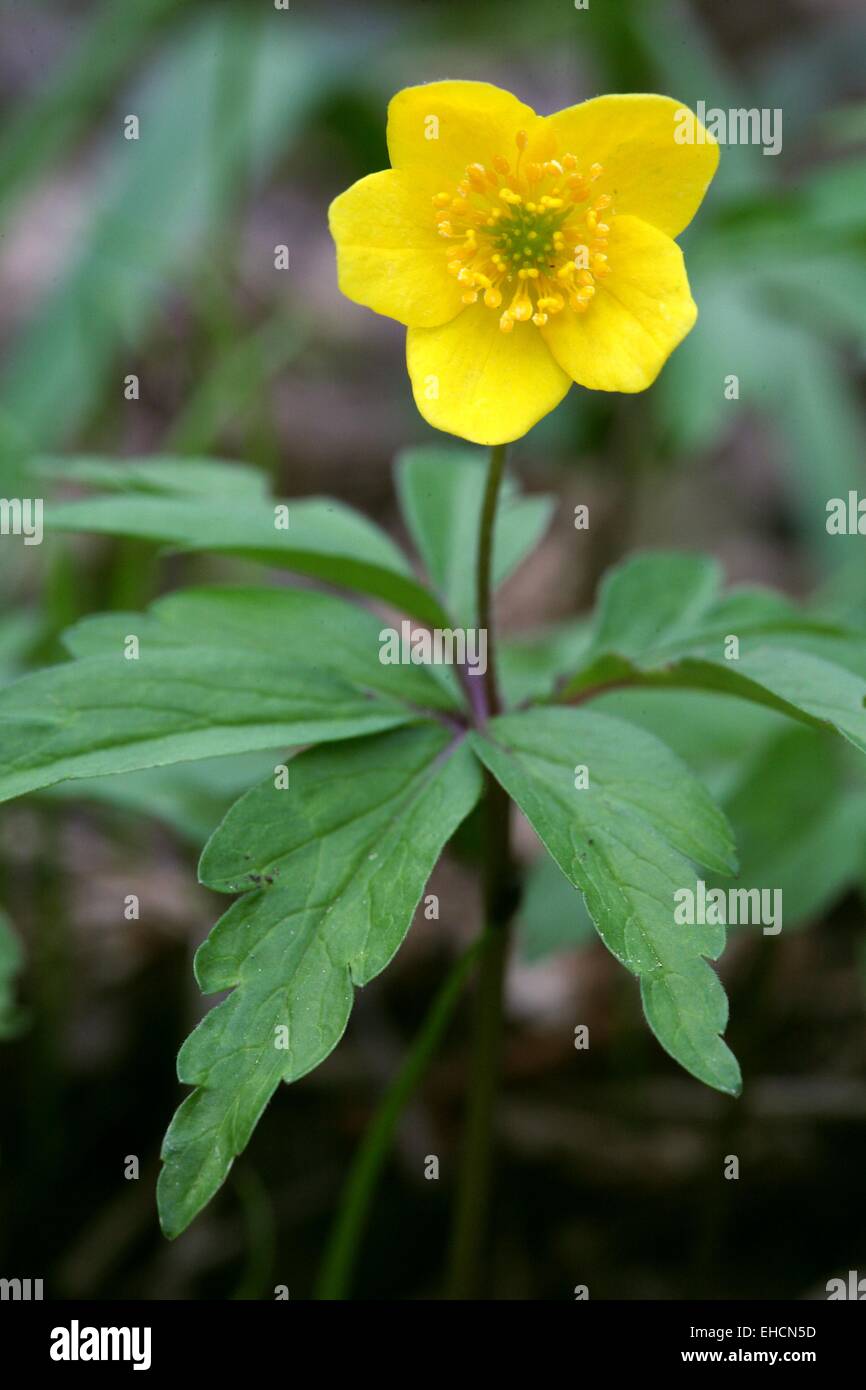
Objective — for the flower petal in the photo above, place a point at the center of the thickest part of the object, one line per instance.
(646, 171)
(443, 126)
(389, 254)
(471, 379)
(637, 318)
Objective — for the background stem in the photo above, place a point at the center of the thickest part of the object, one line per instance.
(473, 1195)
(348, 1229)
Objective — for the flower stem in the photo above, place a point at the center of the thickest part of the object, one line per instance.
(473, 1195)
(348, 1229)
(495, 471)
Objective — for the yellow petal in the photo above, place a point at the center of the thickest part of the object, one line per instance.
(638, 316)
(471, 379)
(646, 171)
(390, 256)
(444, 126)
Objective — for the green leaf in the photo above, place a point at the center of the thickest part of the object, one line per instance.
(11, 961)
(19, 632)
(103, 714)
(164, 475)
(793, 681)
(798, 828)
(318, 631)
(342, 856)
(661, 605)
(658, 623)
(627, 841)
(720, 738)
(441, 491)
(553, 915)
(191, 798)
(652, 601)
(222, 102)
(531, 667)
(324, 539)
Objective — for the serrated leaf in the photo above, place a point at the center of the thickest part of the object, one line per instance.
(103, 714)
(798, 684)
(553, 915)
(320, 632)
(342, 856)
(324, 539)
(629, 841)
(659, 624)
(718, 737)
(660, 605)
(799, 829)
(441, 491)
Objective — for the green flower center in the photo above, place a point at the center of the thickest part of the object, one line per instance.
(535, 233)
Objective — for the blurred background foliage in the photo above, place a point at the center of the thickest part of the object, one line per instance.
(156, 257)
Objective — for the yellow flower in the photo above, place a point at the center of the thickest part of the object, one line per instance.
(525, 252)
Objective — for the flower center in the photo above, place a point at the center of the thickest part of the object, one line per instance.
(532, 238)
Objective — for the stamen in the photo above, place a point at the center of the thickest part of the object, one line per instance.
(532, 238)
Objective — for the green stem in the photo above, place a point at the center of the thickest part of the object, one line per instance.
(351, 1218)
(483, 591)
(473, 1195)
(258, 1217)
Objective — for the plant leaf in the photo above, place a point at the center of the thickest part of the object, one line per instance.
(441, 491)
(661, 605)
(165, 475)
(190, 797)
(798, 827)
(324, 539)
(718, 737)
(530, 667)
(659, 624)
(627, 842)
(344, 855)
(319, 631)
(553, 915)
(19, 632)
(649, 602)
(102, 714)
(165, 205)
